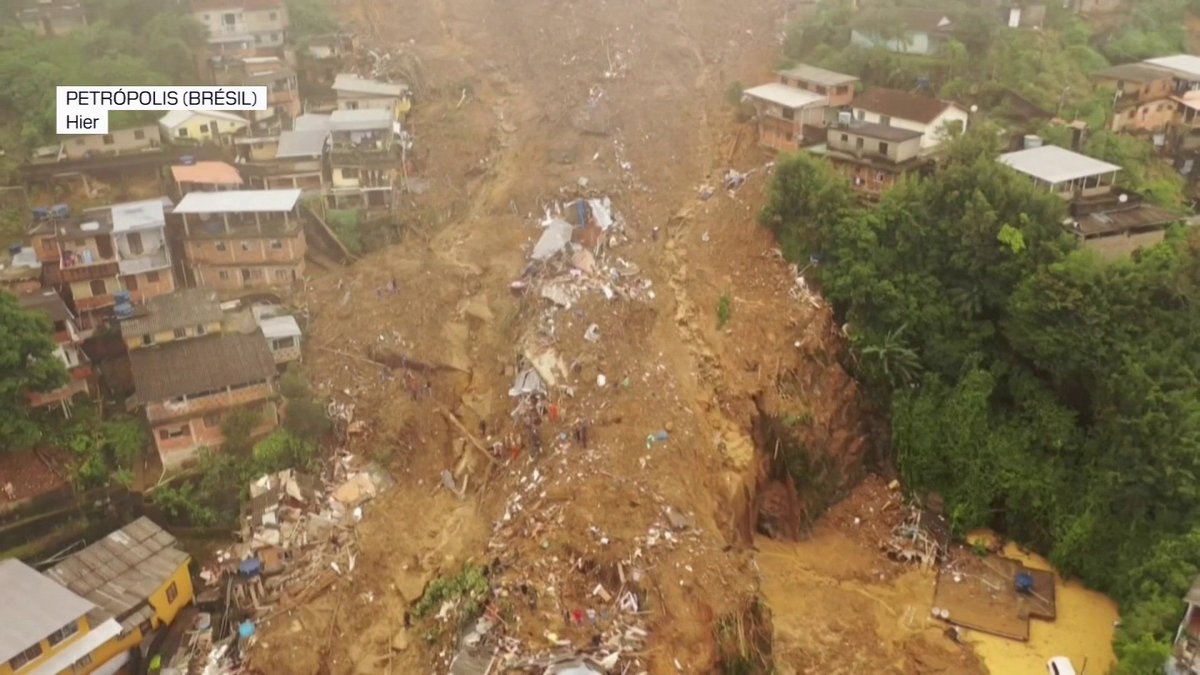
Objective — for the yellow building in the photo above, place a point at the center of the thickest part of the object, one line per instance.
(108, 598)
(186, 313)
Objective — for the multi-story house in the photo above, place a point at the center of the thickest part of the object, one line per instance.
(937, 120)
(68, 347)
(357, 93)
(297, 162)
(189, 374)
(783, 112)
(837, 88)
(143, 257)
(52, 18)
(87, 613)
(1185, 68)
(240, 240)
(78, 255)
(1142, 97)
(252, 24)
(283, 94)
(1106, 218)
(363, 156)
(874, 156)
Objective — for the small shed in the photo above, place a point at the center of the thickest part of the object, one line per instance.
(283, 337)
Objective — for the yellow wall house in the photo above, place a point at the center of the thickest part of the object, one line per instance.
(85, 613)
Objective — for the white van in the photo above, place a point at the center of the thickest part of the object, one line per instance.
(1060, 665)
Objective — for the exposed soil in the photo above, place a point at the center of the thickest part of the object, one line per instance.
(30, 474)
(523, 99)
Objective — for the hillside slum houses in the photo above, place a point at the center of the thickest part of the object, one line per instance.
(879, 137)
(99, 609)
(177, 304)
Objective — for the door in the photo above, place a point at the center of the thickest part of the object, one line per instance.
(104, 248)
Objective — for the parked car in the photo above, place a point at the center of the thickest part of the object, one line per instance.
(1060, 665)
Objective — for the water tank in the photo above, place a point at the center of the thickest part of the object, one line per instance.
(187, 160)
(1032, 141)
(845, 117)
(123, 296)
(60, 211)
(41, 213)
(123, 310)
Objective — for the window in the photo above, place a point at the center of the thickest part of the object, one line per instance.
(139, 135)
(885, 120)
(245, 246)
(63, 633)
(147, 340)
(845, 138)
(152, 277)
(108, 139)
(220, 245)
(144, 627)
(283, 343)
(821, 89)
(200, 329)
(844, 89)
(861, 114)
(349, 173)
(789, 114)
(180, 333)
(858, 143)
(229, 19)
(135, 243)
(276, 244)
(883, 148)
(131, 283)
(213, 420)
(172, 592)
(281, 274)
(20, 660)
(879, 176)
(98, 287)
(223, 275)
(82, 664)
(182, 132)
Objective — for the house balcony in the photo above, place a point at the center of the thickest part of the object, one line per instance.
(149, 263)
(73, 270)
(94, 303)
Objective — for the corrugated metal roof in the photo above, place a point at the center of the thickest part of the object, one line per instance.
(186, 307)
(1134, 72)
(175, 118)
(279, 327)
(786, 96)
(239, 201)
(197, 365)
(807, 73)
(301, 143)
(34, 606)
(143, 215)
(123, 569)
(1182, 65)
(311, 122)
(47, 301)
(208, 173)
(1053, 164)
(353, 84)
(364, 119)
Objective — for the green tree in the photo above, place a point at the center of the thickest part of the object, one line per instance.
(27, 364)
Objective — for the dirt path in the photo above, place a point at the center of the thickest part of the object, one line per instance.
(525, 99)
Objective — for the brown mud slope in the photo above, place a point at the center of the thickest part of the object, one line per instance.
(505, 124)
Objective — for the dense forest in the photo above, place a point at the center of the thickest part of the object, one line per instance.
(1040, 391)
